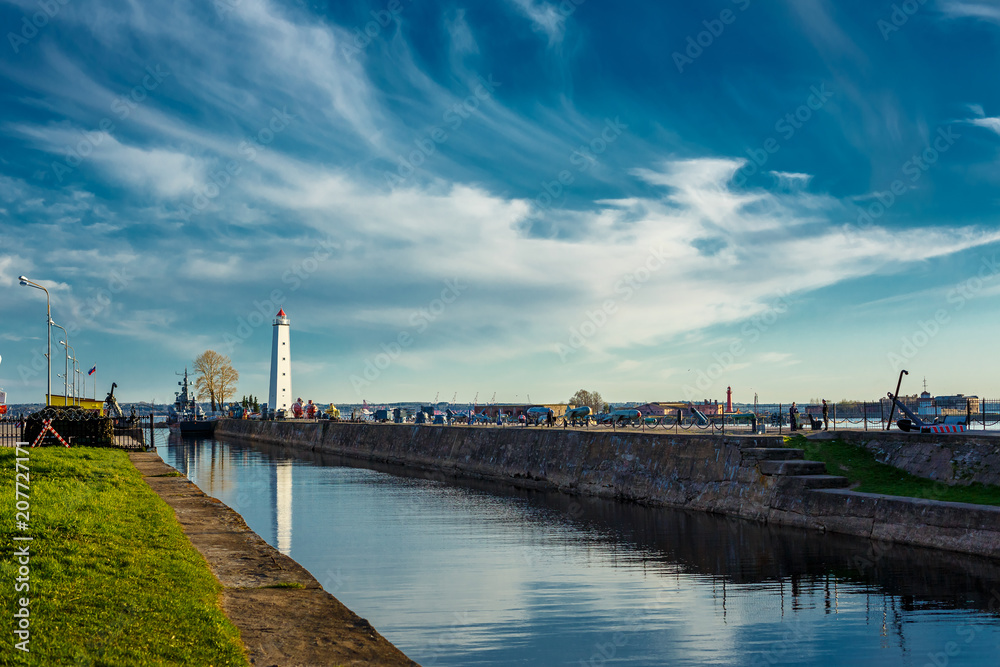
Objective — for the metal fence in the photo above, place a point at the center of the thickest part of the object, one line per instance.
(977, 414)
(78, 429)
(11, 430)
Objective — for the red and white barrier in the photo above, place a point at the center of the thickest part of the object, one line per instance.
(947, 428)
(48, 428)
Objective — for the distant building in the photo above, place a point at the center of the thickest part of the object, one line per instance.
(652, 409)
(926, 407)
(958, 402)
(517, 409)
(710, 407)
(940, 405)
(663, 408)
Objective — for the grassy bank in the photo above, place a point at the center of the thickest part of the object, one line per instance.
(868, 475)
(113, 579)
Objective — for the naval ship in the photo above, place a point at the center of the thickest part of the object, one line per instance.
(186, 415)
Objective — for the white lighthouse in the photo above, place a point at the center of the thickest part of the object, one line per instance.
(280, 396)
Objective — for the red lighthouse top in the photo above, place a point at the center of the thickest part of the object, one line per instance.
(281, 313)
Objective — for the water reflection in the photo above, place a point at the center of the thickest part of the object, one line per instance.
(283, 505)
(460, 573)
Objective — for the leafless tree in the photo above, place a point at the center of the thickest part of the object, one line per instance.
(590, 398)
(216, 377)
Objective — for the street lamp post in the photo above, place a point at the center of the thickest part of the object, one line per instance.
(73, 359)
(76, 375)
(48, 327)
(66, 348)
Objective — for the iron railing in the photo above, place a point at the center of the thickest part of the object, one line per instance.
(78, 428)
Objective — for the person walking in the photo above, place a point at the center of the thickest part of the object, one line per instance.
(793, 417)
(826, 416)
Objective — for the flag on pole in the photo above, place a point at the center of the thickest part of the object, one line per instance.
(92, 370)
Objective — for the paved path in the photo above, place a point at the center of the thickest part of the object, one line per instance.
(286, 626)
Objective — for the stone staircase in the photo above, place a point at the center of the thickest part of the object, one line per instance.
(794, 470)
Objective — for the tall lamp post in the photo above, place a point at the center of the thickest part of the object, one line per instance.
(48, 327)
(77, 373)
(66, 348)
(73, 359)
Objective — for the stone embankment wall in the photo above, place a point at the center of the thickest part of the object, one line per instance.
(952, 459)
(752, 477)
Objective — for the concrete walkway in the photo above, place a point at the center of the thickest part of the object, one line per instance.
(284, 616)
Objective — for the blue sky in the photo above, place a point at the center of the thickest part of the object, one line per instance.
(652, 200)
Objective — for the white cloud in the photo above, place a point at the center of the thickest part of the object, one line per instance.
(9, 268)
(724, 255)
(990, 123)
(987, 11)
(791, 180)
(462, 39)
(545, 17)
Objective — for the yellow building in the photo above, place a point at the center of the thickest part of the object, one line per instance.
(85, 403)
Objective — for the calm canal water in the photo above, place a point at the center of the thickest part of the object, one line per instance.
(466, 573)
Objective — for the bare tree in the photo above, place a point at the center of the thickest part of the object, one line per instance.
(590, 398)
(216, 377)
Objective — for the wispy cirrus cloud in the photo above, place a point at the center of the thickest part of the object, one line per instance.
(470, 208)
(987, 11)
(546, 18)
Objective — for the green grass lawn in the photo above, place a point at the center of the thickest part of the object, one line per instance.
(113, 579)
(868, 475)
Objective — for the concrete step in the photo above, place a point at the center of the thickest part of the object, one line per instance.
(818, 481)
(772, 453)
(792, 467)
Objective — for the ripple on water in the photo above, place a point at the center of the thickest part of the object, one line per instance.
(483, 574)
